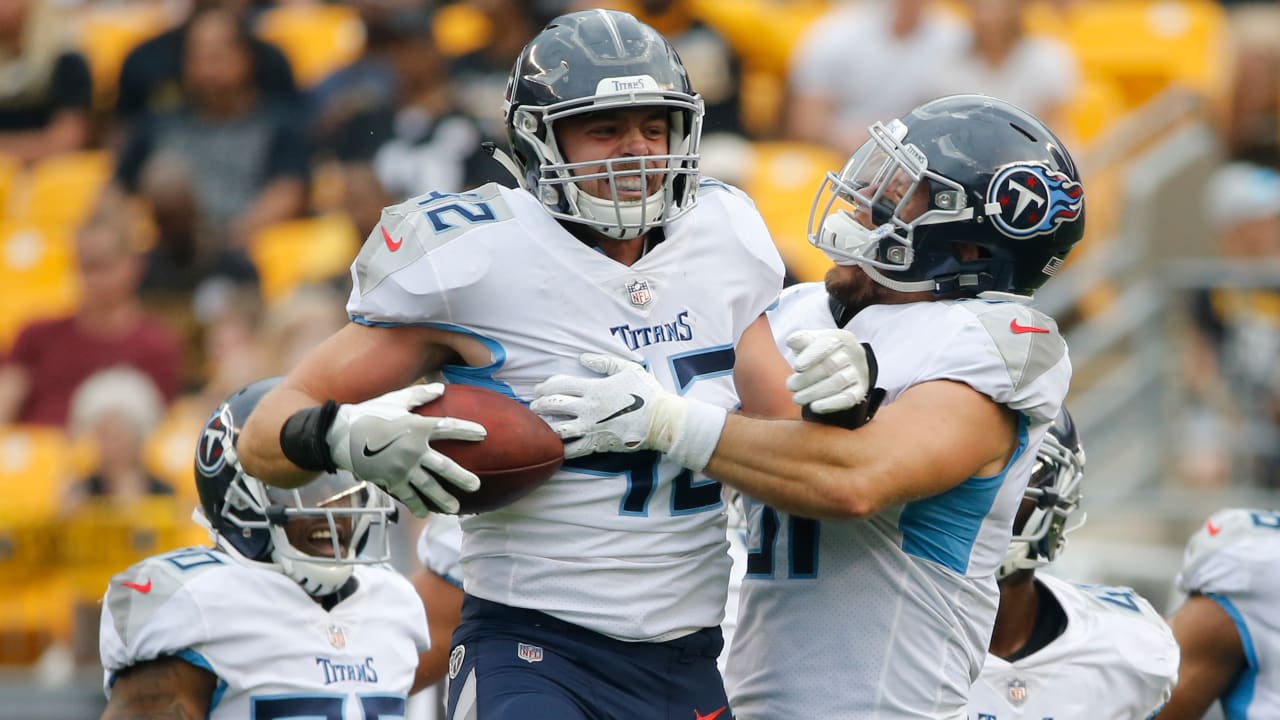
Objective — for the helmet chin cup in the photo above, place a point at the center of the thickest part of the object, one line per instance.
(845, 241)
(618, 219)
(317, 578)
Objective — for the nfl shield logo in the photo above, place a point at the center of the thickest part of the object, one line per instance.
(337, 636)
(1017, 692)
(529, 653)
(639, 292)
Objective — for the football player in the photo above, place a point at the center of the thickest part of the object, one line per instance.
(1062, 650)
(870, 587)
(289, 614)
(1228, 626)
(599, 594)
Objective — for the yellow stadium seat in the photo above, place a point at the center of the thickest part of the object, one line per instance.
(764, 32)
(458, 29)
(34, 615)
(1098, 104)
(34, 470)
(61, 189)
(170, 450)
(107, 33)
(38, 266)
(782, 180)
(317, 39)
(291, 253)
(1146, 45)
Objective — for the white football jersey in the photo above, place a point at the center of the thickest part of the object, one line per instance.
(1235, 561)
(628, 545)
(890, 616)
(275, 651)
(1116, 660)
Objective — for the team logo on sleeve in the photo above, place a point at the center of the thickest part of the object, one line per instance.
(639, 293)
(1034, 200)
(1017, 692)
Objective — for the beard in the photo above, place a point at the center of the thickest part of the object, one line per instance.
(854, 289)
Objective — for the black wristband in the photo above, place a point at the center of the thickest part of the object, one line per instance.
(302, 438)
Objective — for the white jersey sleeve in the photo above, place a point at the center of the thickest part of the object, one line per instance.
(274, 651)
(1234, 559)
(440, 546)
(1116, 660)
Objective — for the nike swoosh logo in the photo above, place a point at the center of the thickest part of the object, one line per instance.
(637, 402)
(1018, 329)
(144, 589)
(392, 245)
(699, 716)
(370, 452)
(1213, 529)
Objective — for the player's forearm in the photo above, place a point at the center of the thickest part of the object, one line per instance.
(259, 444)
(798, 467)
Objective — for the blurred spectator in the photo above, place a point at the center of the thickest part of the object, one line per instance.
(294, 325)
(45, 88)
(243, 159)
(229, 322)
(1038, 74)
(116, 410)
(422, 139)
(1253, 128)
(865, 62)
(51, 358)
(1232, 369)
(481, 77)
(151, 78)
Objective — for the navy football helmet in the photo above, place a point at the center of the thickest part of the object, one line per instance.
(959, 169)
(1054, 494)
(591, 61)
(345, 520)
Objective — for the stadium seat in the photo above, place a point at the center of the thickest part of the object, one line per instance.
(33, 616)
(1098, 104)
(782, 180)
(458, 29)
(1147, 45)
(169, 452)
(34, 469)
(61, 189)
(764, 32)
(107, 33)
(290, 253)
(38, 266)
(317, 39)
(100, 538)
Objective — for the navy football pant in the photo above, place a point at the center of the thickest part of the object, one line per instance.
(515, 664)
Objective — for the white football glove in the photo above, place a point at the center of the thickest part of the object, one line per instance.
(831, 370)
(626, 410)
(382, 442)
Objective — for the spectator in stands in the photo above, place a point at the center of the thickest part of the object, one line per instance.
(244, 160)
(864, 62)
(51, 358)
(423, 139)
(295, 324)
(151, 78)
(1253, 120)
(481, 77)
(45, 87)
(1232, 373)
(116, 409)
(1038, 74)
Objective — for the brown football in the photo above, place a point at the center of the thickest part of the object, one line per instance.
(519, 453)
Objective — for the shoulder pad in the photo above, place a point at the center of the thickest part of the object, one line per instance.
(1027, 340)
(709, 185)
(1206, 568)
(419, 226)
(134, 596)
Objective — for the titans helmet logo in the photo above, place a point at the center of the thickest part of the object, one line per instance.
(209, 456)
(1034, 200)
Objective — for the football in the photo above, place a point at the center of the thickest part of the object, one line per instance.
(519, 453)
